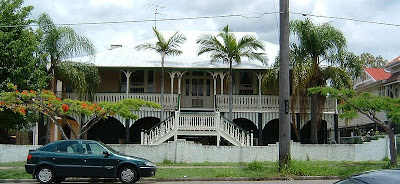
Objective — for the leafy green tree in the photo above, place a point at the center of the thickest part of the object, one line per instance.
(46, 103)
(19, 63)
(319, 45)
(169, 47)
(60, 43)
(231, 50)
(370, 61)
(368, 105)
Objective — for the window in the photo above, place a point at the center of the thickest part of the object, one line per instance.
(245, 87)
(187, 87)
(381, 91)
(136, 84)
(150, 79)
(67, 147)
(390, 91)
(194, 87)
(208, 87)
(92, 149)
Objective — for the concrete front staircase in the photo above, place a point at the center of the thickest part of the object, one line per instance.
(197, 124)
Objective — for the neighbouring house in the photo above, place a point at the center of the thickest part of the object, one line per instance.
(381, 82)
(196, 98)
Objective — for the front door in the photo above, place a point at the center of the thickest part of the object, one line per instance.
(197, 90)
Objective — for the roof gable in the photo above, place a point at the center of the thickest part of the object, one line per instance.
(395, 60)
(378, 73)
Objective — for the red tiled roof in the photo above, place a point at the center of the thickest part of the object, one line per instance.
(397, 59)
(378, 73)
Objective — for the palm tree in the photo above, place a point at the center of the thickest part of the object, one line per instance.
(317, 45)
(230, 50)
(165, 48)
(58, 44)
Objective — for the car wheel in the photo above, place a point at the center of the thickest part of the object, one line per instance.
(128, 174)
(59, 179)
(45, 174)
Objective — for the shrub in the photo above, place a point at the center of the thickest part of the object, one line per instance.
(255, 166)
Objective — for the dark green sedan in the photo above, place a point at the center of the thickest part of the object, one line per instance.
(85, 158)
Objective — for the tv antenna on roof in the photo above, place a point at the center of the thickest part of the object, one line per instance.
(157, 7)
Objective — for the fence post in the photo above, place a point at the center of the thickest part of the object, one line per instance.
(176, 125)
(217, 119)
(142, 137)
(251, 138)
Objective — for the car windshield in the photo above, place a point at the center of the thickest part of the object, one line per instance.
(108, 147)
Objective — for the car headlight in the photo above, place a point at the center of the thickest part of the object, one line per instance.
(150, 164)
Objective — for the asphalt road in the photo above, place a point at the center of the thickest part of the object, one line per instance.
(230, 182)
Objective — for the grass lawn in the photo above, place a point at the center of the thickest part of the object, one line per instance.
(13, 164)
(253, 169)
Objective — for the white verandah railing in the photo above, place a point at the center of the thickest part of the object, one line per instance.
(265, 102)
(222, 101)
(197, 122)
(170, 102)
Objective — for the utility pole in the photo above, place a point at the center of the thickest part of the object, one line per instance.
(284, 121)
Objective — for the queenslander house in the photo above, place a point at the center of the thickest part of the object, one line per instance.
(196, 98)
(378, 81)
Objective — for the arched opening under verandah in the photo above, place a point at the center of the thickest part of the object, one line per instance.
(109, 131)
(141, 124)
(322, 134)
(247, 125)
(271, 132)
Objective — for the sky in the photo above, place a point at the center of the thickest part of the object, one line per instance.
(361, 37)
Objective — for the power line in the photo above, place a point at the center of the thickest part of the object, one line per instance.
(345, 18)
(247, 16)
(254, 15)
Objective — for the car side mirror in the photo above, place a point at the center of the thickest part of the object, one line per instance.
(106, 154)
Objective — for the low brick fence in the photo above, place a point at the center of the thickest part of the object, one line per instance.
(189, 152)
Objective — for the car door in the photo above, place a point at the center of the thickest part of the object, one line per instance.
(67, 158)
(95, 163)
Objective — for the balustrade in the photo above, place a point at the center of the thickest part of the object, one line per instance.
(170, 102)
(267, 102)
(222, 101)
(197, 122)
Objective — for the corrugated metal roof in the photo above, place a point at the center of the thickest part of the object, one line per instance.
(128, 57)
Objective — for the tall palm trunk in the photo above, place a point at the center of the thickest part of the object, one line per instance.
(314, 104)
(314, 119)
(53, 88)
(230, 91)
(162, 87)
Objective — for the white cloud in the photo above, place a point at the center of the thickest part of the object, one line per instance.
(361, 37)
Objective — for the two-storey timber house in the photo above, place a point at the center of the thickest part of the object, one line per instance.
(196, 98)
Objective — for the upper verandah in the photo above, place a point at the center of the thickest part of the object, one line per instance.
(128, 57)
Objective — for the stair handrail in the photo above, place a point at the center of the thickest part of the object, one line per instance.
(231, 122)
(158, 124)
